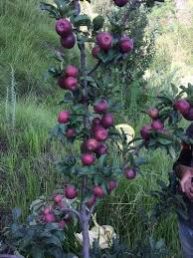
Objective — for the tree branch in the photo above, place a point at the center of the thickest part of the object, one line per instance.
(94, 68)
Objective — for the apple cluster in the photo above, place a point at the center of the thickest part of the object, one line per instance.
(65, 31)
(53, 213)
(156, 124)
(105, 42)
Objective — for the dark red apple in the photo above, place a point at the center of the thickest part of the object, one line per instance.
(63, 27)
(70, 192)
(107, 120)
(68, 41)
(100, 133)
(64, 117)
(182, 106)
(145, 132)
(98, 192)
(112, 185)
(71, 71)
(58, 198)
(102, 149)
(157, 125)
(130, 173)
(47, 210)
(126, 44)
(189, 115)
(88, 159)
(101, 106)
(70, 133)
(104, 40)
(90, 202)
(49, 218)
(153, 113)
(95, 51)
(71, 83)
(120, 3)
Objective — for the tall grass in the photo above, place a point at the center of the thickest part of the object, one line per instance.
(27, 42)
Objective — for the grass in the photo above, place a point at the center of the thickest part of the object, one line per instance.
(27, 42)
(27, 156)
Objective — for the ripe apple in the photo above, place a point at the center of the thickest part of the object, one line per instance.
(120, 3)
(153, 113)
(63, 27)
(70, 192)
(88, 159)
(107, 120)
(68, 41)
(145, 132)
(71, 71)
(98, 192)
(64, 117)
(126, 44)
(104, 40)
(101, 106)
(130, 173)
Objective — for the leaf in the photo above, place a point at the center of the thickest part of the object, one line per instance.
(172, 152)
(16, 213)
(82, 20)
(98, 22)
(51, 9)
(37, 252)
(160, 244)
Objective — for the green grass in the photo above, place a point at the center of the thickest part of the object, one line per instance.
(27, 156)
(27, 41)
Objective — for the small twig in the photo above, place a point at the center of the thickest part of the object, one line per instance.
(95, 67)
(71, 210)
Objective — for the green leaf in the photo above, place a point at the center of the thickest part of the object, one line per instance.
(98, 22)
(51, 9)
(82, 20)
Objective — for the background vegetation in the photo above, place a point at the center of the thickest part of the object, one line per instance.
(27, 46)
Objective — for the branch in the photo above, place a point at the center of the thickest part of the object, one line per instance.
(71, 210)
(94, 68)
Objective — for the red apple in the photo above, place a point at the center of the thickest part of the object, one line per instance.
(88, 159)
(63, 27)
(104, 40)
(130, 173)
(58, 198)
(120, 3)
(71, 71)
(153, 113)
(68, 41)
(100, 133)
(64, 117)
(71, 83)
(70, 133)
(112, 185)
(98, 192)
(107, 120)
(126, 44)
(49, 218)
(182, 106)
(70, 192)
(145, 132)
(95, 51)
(90, 202)
(157, 125)
(189, 115)
(101, 106)
(102, 149)
(47, 210)
(91, 144)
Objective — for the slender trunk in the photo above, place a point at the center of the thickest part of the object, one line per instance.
(85, 232)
